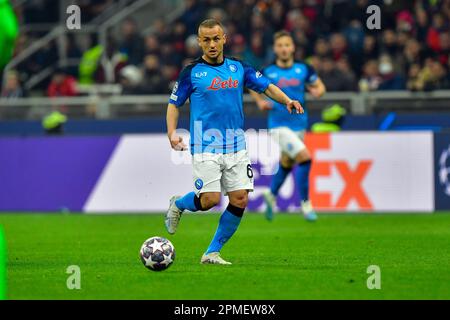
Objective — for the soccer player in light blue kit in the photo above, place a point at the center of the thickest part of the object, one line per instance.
(215, 86)
(294, 78)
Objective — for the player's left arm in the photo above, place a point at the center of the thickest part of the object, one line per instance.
(314, 84)
(317, 89)
(256, 81)
(278, 95)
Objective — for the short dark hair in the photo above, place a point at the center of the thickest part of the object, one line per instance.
(210, 23)
(281, 34)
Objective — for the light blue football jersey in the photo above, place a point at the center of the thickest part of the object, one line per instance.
(216, 102)
(293, 82)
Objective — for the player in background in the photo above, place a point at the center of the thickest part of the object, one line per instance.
(215, 86)
(294, 78)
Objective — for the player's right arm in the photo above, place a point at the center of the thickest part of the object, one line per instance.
(181, 92)
(176, 142)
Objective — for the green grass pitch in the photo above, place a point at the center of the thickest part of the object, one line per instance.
(288, 258)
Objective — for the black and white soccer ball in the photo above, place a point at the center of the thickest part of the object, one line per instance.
(157, 253)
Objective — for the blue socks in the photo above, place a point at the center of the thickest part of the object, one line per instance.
(302, 179)
(228, 224)
(189, 202)
(278, 179)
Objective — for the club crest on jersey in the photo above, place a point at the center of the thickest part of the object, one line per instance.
(217, 84)
(198, 184)
(233, 68)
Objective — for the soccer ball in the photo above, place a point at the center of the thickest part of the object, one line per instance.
(157, 253)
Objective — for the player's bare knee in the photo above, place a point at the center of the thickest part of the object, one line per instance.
(287, 162)
(303, 156)
(239, 199)
(209, 200)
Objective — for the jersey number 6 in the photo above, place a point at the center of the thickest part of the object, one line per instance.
(249, 171)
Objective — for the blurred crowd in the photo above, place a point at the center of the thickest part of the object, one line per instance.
(411, 51)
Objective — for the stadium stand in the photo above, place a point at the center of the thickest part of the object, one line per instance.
(410, 52)
(130, 48)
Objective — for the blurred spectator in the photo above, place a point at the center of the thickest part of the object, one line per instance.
(321, 48)
(151, 45)
(411, 54)
(130, 79)
(349, 76)
(12, 88)
(433, 76)
(421, 17)
(132, 42)
(405, 21)
(255, 53)
(62, 85)
(152, 82)
(333, 78)
(238, 46)
(416, 79)
(338, 45)
(439, 25)
(438, 77)
(178, 38)
(370, 48)
(390, 79)
(371, 78)
(193, 13)
(444, 50)
(110, 64)
(389, 42)
(354, 35)
(73, 52)
(169, 77)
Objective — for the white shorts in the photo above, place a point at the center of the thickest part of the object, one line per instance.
(222, 172)
(291, 142)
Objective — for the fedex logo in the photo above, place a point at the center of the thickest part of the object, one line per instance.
(217, 83)
(326, 174)
(352, 177)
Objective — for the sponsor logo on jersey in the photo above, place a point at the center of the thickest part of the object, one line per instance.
(285, 82)
(201, 74)
(217, 83)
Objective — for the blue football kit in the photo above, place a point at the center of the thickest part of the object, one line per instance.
(216, 94)
(293, 82)
(216, 102)
(288, 127)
